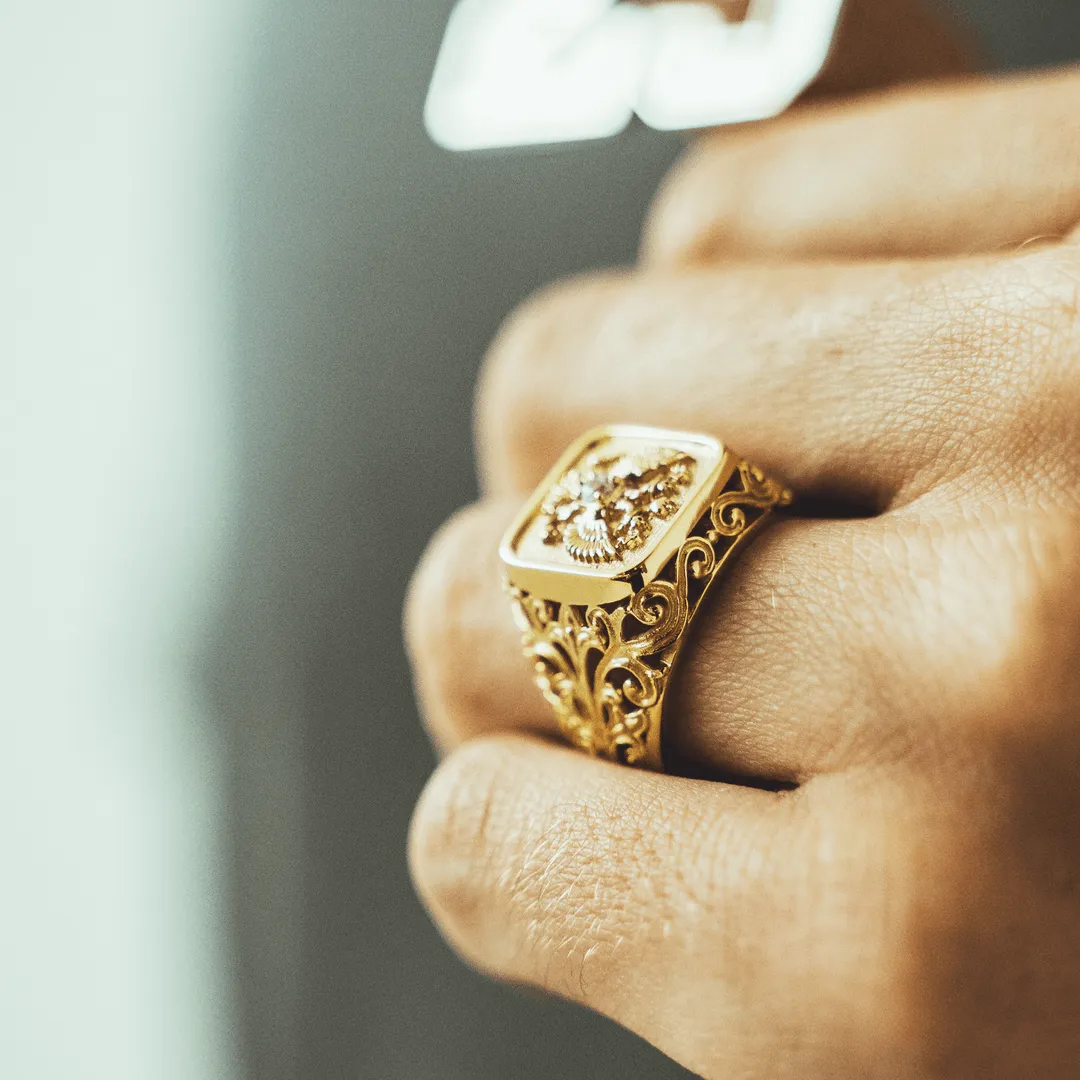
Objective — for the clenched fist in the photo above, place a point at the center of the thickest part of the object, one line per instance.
(869, 865)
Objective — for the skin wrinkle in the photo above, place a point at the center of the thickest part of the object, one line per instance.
(1036, 374)
(983, 330)
(585, 916)
(547, 887)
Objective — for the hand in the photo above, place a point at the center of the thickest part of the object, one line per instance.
(880, 304)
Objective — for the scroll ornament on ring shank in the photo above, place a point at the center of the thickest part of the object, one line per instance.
(605, 669)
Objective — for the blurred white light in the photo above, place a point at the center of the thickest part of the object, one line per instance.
(705, 71)
(518, 72)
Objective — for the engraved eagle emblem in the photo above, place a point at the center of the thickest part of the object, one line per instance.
(607, 505)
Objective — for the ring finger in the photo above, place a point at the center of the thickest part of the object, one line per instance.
(769, 636)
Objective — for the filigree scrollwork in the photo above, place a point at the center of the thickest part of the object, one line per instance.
(728, 512)
(605, 669)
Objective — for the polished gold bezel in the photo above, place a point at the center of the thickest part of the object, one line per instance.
(590, 585)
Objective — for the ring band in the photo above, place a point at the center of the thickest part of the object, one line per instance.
(607, 564)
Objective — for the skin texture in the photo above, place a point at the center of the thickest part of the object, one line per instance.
(878, 301)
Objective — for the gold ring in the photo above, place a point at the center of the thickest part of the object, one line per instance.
(607, 564)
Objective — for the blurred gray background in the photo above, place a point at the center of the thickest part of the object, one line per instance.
(369, 270)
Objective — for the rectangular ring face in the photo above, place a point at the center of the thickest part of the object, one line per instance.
(610, 503)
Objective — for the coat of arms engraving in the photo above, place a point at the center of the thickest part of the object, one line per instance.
(607, 505)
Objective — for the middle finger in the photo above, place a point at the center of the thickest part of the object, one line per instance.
(813, 620)
(869, 382)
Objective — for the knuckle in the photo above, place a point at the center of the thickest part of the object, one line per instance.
(436, 616)
(1048, 289)
(515, 401)
(683, 218)
(568, 904)
(1032, 644)
(590, 872)
(524, 889)
(1043, 648)
(548, 892)
(451, 832)
(430, 600)
(1013, 646)
(573, 893)
(509, 389)
(1014, 359)
(725, 195)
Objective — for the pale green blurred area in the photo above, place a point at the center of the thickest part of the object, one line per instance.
(113, 953)
(242, 301)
